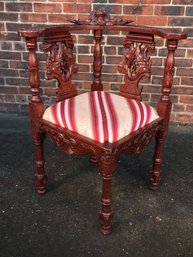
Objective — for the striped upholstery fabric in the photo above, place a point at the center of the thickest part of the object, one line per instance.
(102, 116)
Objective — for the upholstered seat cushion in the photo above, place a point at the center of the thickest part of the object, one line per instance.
(102, 116)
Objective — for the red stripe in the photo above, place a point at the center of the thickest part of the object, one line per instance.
(142, 116)
(133, 119)
(63, 114)
(113, 115)
(55, 114)
(94, 116)
(102, 108)
(149, 111)
(71, 114)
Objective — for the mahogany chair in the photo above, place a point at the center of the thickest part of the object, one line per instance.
(99, 123)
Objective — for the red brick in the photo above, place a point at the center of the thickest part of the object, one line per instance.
(115, 40)
(156, 1)
(190, 53)
(169, 10)
(183, 62)
(24, 90)
(124, 1)
(8, 17)
(84, 1)
(8, 73)
(157, 61)
(33, 17)
(152, 89)
(152, 21)
(8, 90)
(2, 81)
(184, 72)
(16, 81)
(186, 43)
(83, 49)
(61, 18)
(38, 7)
(2, 26)
(187, 81)
(184, 117)
(132, 18)
(4, 64)
(9, 98)
(18, 7)
(157, 71)
(10, 55)
(189, 11)
(115, 9)
(85, 39)
(178, 108)
(6, 45)
(140, 10)
(83, 68)
(18, 64)
(110, 69)
(110, 50)
(83, 76)
(110, 78)
(113, 59)
(82, 17)
(178, 53)
(189, 108)
(21, 99)
(76, 8)
(188, 99)
(85, 59)
(183, 2)
(63, 1)
(182, 90)
(180, 21)
(1, 7)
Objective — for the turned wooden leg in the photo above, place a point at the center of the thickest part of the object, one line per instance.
(106, 214)
(40, 176)
(155, 173)
(107, 168)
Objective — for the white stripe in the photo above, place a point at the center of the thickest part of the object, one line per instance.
(99, 115)
(67, 114)
(58, 113)
(138, 115)
(144, 106)
(109, 119)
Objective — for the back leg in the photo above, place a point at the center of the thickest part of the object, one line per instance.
(40, 176)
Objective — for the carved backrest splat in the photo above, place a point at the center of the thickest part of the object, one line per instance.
(136, 63)
(60, 63)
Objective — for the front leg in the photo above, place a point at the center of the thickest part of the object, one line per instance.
(38, 139)
(107, 164)
(155, 173)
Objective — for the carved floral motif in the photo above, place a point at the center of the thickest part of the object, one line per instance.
(136, 63)
(101, 17)
(138, 142)
(60, 64)
(66, 143)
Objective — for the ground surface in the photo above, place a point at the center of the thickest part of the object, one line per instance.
(64, 222)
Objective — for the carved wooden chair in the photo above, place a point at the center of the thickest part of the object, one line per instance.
(99, 123)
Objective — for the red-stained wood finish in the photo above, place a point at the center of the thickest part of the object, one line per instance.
(138, 44)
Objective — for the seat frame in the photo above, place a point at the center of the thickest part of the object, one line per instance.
(136, 64)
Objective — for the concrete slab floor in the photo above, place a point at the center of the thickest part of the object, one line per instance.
(64, 222)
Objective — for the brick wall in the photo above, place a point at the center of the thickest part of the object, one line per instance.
(14, 92)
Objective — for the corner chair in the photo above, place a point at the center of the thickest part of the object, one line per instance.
(102, 124)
